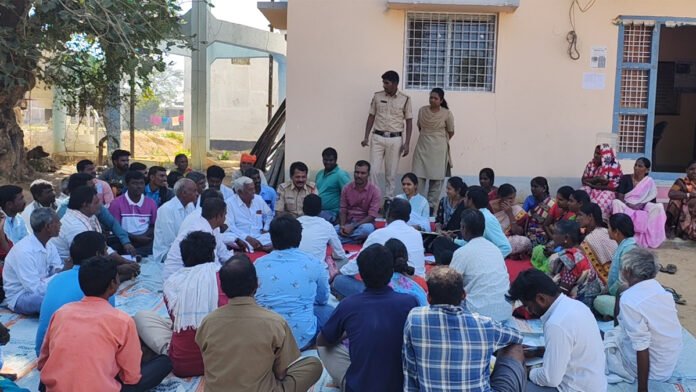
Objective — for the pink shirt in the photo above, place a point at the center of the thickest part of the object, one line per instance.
(87, 345)
(104, 192)
(359, 203)
(135, 218)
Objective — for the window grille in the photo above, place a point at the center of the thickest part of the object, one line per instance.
(453, 51)
(638, 44)
(634, 90)
(632, 133)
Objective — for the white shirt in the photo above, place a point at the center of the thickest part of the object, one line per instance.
(574, 360)
(316, 234)
(73, 223)
(169, 218)
(648, 320)
(26, 215)
(246, 221)
(420, 211)
(486, 278)
(28, 268)
(226, 191)
(193, 222)
(398, 229)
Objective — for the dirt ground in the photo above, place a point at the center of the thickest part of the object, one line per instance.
(683, 255)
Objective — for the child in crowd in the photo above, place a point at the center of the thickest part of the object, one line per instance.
(569, 267)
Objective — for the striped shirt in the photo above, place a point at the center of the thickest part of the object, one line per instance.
(448, 348)
(135, 218)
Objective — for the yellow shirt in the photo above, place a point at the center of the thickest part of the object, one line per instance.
(390, 111)
(291, 199)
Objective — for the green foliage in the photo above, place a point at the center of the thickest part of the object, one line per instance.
(178, 136)
(225, 156)
(170, 159)
(83, 47)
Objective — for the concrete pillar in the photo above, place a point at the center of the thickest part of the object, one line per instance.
(282, 72)
(59, 123)
(187, 103)
(200, 86)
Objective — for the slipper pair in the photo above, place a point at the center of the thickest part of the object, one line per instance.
(677, 297)
(668, 269)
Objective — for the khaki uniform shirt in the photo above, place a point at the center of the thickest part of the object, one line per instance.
(290, 199)
(241, 343)
(390, 111)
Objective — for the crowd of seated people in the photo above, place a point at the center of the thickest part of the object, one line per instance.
(65, 257)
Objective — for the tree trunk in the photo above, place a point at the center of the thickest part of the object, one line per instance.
(112, 118)
(13, 163)
(12, 155)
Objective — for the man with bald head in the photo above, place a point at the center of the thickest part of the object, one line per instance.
(170, 216)
(271, 360)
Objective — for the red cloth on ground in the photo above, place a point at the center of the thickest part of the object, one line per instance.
(186, 357)
(4, 252)
(253, 256)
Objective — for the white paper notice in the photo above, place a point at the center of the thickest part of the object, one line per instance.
(598, 57)
(593, 81)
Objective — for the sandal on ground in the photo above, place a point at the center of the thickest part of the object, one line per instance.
(677, 297)
(668, 269)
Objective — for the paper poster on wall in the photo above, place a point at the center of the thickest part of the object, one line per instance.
(598, 57)
(593, 81)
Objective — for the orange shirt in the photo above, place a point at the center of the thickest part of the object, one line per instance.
(87, 345)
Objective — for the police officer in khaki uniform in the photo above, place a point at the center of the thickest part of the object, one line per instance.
(291, 193)
(388, 111)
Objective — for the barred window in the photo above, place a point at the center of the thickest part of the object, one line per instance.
(634, 88)
(452, 51)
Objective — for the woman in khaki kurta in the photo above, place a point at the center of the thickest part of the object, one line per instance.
(431, 158)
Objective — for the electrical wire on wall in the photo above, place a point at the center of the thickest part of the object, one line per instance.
(572, 36)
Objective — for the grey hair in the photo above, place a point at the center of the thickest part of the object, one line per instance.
(640, 264)
(42, 217)
(179, 185)
(239, 183)
(195, 176)
(39, 181)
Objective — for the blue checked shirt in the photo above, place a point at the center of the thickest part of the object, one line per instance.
(447, 348)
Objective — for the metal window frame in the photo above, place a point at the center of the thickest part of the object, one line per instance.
(448, 46)
(652, 87)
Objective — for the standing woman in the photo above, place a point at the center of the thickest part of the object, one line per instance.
(601, 178)
(431, 158)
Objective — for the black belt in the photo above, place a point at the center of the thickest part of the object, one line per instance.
(388, 134)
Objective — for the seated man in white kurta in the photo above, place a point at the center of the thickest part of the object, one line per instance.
(209, 219)
(648, 340)
(248, 218)
(31, 263)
